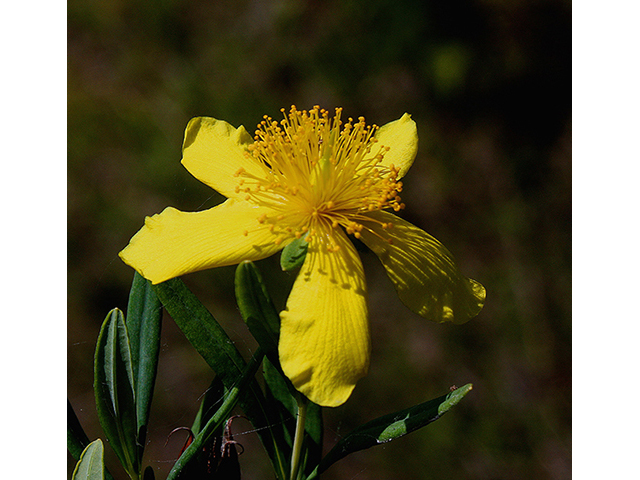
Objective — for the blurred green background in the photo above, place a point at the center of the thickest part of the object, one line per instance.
(488, 83)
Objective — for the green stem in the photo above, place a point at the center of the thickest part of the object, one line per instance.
(299, 436)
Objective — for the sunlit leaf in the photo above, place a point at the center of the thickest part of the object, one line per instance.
(392, 426)
(91, 463)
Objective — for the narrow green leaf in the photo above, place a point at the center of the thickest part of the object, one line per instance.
(144, 323)
(91, 463)
(217, 419)
(282, 414)
(280, 387)
(217, 349)
(392, 426)
(293, 255)
(210, 402)
(257, 310)
(114, 391)
(201, 329)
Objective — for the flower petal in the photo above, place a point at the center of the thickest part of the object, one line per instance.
(324, 337)
(423, 270)
(402, 137)
(213, 151)
(173, 243)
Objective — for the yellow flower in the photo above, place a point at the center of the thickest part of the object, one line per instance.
(318, 178)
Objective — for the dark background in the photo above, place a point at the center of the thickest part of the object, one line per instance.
(489, 85)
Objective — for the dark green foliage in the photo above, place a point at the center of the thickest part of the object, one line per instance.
(144, 323)
(114, 391)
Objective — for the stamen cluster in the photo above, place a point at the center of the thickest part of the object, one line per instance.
(318, 173)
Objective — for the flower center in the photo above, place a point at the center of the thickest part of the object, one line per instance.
(318, 173)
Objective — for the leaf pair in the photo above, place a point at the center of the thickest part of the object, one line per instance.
(125, 368)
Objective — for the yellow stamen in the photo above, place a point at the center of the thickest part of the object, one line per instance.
(318, 171)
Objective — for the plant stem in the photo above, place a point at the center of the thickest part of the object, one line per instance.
(299, 436)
